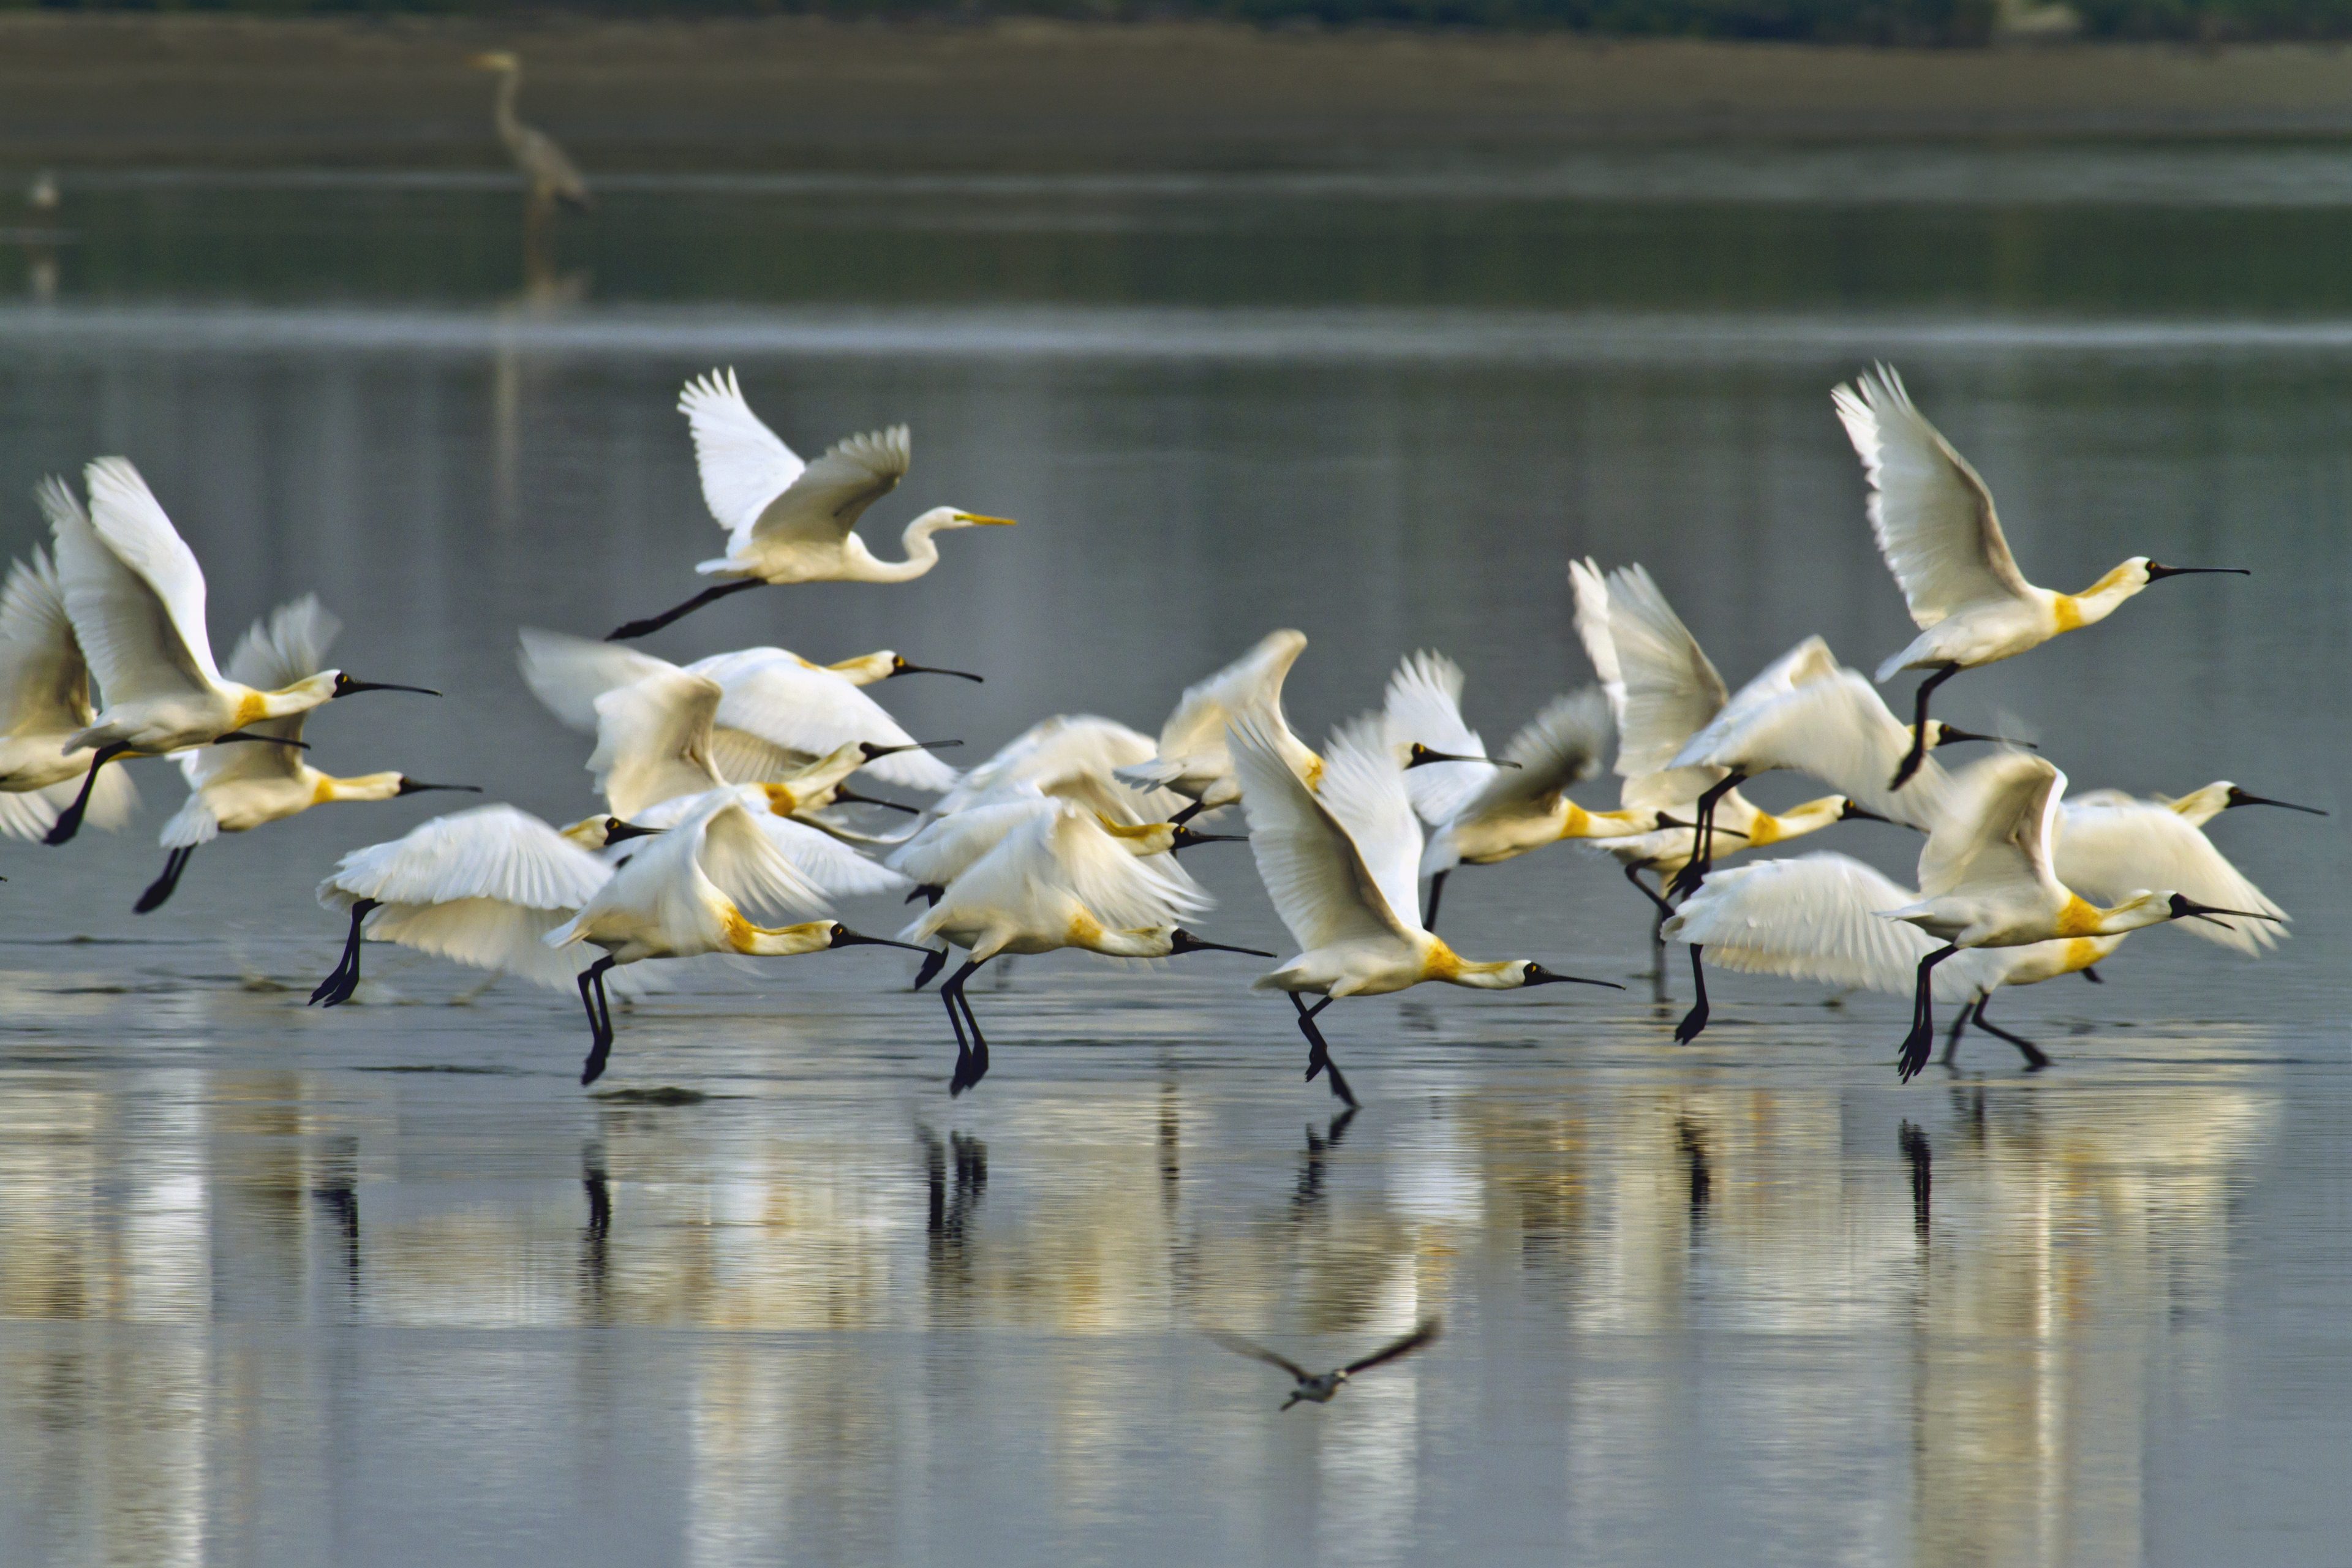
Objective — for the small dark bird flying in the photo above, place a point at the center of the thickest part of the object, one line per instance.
(1319, 1386)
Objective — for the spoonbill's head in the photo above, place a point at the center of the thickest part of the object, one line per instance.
(945, 517)
(1521, 973)
(341, 684)
(1942, 734)
(596, 832)
(839, 936)
(899, 665)
(1161, 838)
(2181, 907)
(1856, 812)
(496, 60)
(1419, 756)
(2232, 795)
(1183, 940)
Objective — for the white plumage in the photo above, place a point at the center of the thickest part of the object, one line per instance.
(1190, 757)
(45, 687)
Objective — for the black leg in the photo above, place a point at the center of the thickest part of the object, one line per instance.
(957, 1081)
(68, 822)
(971, 1064)
(2035, 1060)
(163, 887)
(656, 623)
(1633, 875)
(1952, 1036)
(1919, 723)
(1436, 891)
(1185, 815)
(600, 1019)
(2091, 974)
(1657, 934)
(1922, 1037)
(1688, 880)
(1318, 1050)
(337, 987)
(1696, 1019)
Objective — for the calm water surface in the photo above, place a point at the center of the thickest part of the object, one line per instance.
(386, 1287)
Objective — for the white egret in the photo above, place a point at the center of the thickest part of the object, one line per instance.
(1190, 757)
(777, 712)
(1664, 690)
(1822, 917)
(482, 888)
(234, 789)
(550, 173)
(136, 597)
(1481, 814)
(1058, 879)
(45, 701)
(790, 521)
(1985, 879)
(1319, 1388)
(1340, 864)
(1935, 523)
(685, 894)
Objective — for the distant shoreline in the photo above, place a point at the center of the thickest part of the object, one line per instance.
(184, 90)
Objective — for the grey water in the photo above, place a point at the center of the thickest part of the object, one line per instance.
(385, 1286)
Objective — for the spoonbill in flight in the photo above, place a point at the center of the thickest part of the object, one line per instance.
(45, 701)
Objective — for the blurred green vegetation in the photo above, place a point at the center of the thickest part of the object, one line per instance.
(1913, 22)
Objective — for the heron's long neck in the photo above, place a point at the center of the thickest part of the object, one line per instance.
(2097, 602)
(922, 554)
(503, 109)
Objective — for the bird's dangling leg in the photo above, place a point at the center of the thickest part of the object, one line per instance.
(655, 623)
(1694, 872)
(2035, 1058)
(971, 1062)
(1436, 891)
(600, 1018)
(68, 822)
(1952, 1036)
(1919, 723)
(1921, 1040)
(163, 887)
(2091, 974)
(1696, 1019)
(337, 987)
(1657, 932)
(1318, 1051)
(1188, 813)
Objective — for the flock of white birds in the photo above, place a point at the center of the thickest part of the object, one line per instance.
(728, 783)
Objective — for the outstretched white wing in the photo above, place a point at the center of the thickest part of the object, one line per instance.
(43, 680)
(774, 698)
(742, 463)
(568, 673)
(1836, 730)
(1056, 751)
(288, 645)
(823, 505)
(1558, 748)
(1672, 691)
(1994, 837)
(1322, 885)
(487, 852)
(133, 524)
(124, 623)
(653, 741)
(1195, 730)
(1592, 592)
(834, 868)
(1423, 705)
(1932, 515)
(739, 857)
(2108, 849)
(1819, 917)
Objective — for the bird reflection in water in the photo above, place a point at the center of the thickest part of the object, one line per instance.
(337, 1193)
(1921, 1159)
(1310, 1164)
(595, 1259)
(1691, 1138)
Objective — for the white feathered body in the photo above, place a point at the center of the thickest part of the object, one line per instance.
(45, 684)
(686, 892)
(1058, 879)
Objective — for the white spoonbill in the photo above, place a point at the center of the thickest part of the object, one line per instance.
(1664, 690)
(1806, 713)
(550, 174)
(685, 894)
(136, 597)
(1986, 880)
(1059, 879)
(1823, 917)
(790, 521)
(1480, 813)
(2108, 843)
(1073, 756)
(482, 888)
(1934, 520)
(1340, 864)
(234, 789)
(1192, 759)
(44, 688)
(777, 711)
(945, 847)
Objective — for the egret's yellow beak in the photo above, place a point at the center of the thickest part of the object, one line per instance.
(988, 522)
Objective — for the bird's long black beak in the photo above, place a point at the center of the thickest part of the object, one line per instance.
(1953, 735)
(1854, 812)
(2185, 908)
(345, 686)
(2156, 573)
(2239, 797)
(900, 666)
(1184, 838)
(616, 831)
(1183, 940)
(1539, 976)
(930, 969)
(845, 937)
(1421, 756)
(873, 752)
(410, 786)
